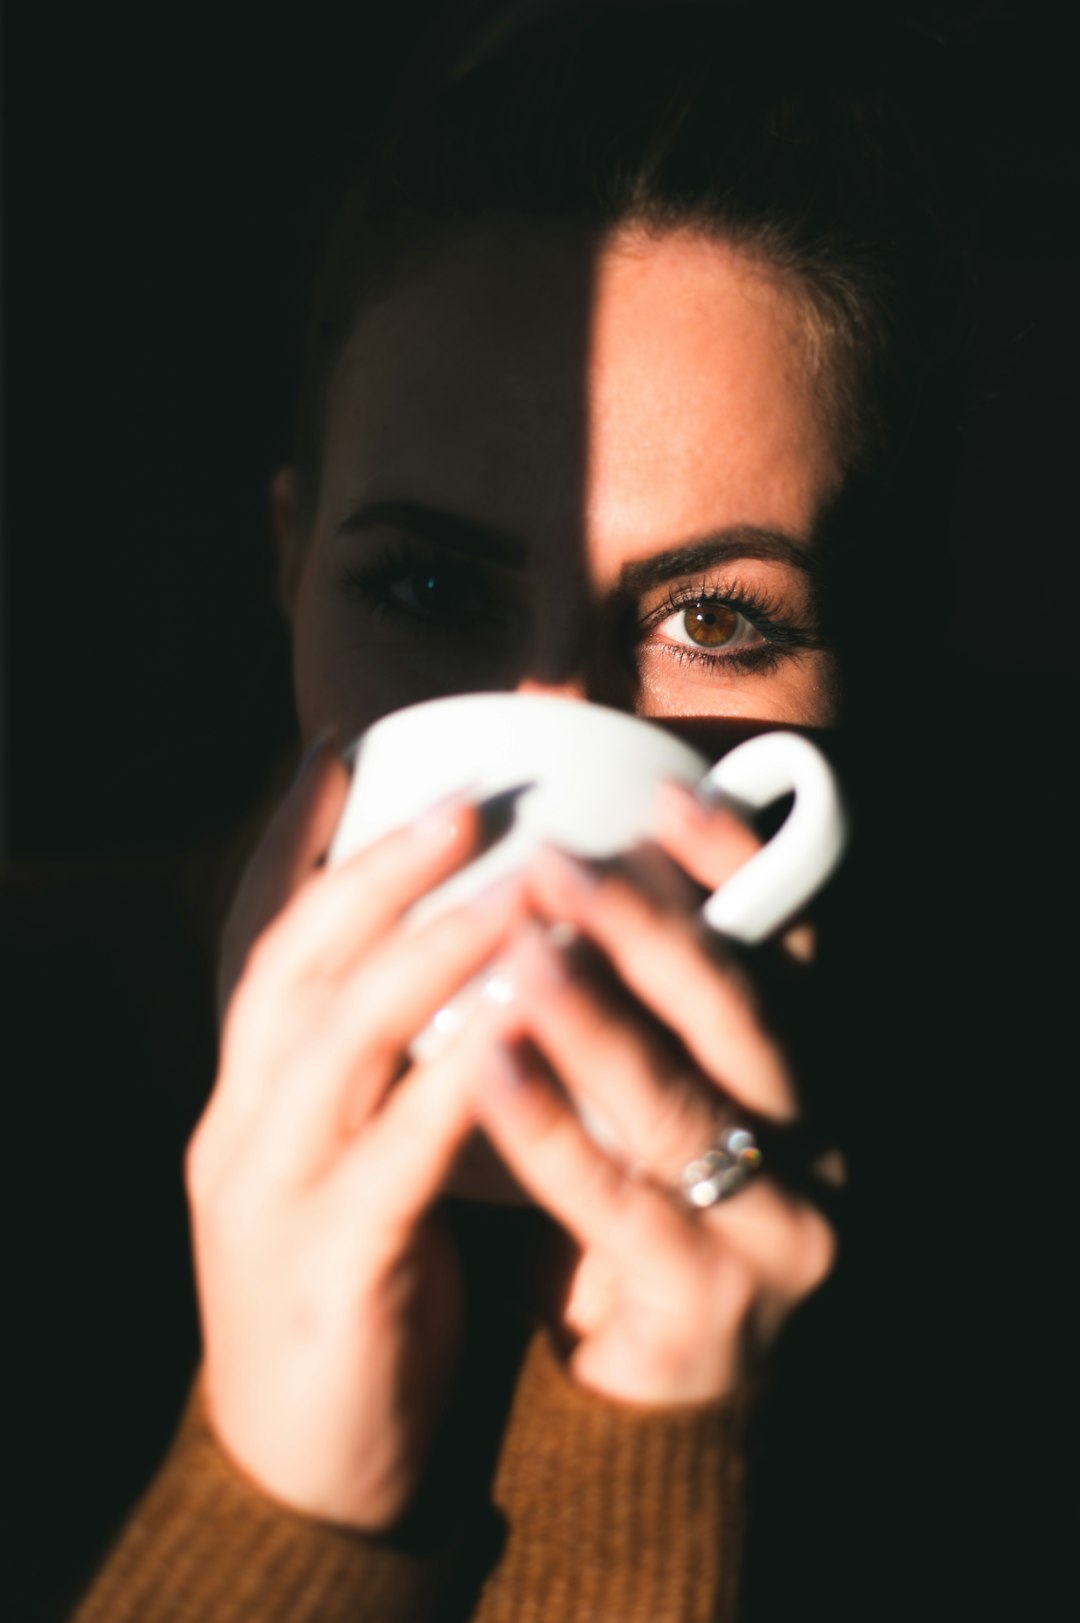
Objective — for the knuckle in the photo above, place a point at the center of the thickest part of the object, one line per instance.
(229, 1214)
(361, 1028)
(604, 1184)
(403, 863)
(459, 934)
(676, 1125)
(223, 1197)
(242, 1011)
(270, 967)
(819, 1247)
(199, 1167)
(736, 1300)
(258, 960)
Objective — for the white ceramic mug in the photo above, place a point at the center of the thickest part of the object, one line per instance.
(584, 778)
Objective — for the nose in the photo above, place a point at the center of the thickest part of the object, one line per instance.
(553, 690)
(574, 654)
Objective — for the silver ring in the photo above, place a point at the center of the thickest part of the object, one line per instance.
(727, 1166)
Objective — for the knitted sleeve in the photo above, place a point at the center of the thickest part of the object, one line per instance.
(610, 1513)
(205, 1545)
(614, 1514)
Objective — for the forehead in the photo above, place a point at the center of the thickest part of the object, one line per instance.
(625, 390)
(702, 404)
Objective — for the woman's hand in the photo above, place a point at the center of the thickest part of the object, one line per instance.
(329, 1295)
(665, 1302)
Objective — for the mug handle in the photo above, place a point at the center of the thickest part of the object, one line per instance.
(780, 879)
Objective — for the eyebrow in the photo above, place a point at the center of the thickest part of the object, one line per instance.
(451, 530)
(711, 551)
(476, 539)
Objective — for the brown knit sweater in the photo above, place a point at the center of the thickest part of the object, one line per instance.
(612, 1515)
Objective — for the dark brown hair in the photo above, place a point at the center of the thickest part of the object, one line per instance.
(746, 124)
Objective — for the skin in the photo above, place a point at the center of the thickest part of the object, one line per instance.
(693, 412)
(330, 1291)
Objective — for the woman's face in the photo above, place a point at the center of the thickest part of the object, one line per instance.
(595, 472)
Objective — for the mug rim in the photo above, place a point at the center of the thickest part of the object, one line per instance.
(587, 710)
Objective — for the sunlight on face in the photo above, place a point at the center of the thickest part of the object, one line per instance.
(598, 472)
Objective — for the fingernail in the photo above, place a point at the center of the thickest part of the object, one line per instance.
(697, 808)
(533, 960)
(683, 802)
(429, 1043)
(712, 799)
(496, 897)
(439, 824)
(572, 875)
(500, 986)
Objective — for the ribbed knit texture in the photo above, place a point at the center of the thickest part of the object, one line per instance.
(205, 1546)
(613, 1514)
(616, 1514)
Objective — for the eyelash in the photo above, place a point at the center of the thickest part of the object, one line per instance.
(762, 612)
(398, 560)
(373, 581)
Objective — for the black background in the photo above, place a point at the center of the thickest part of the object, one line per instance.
(169, 176)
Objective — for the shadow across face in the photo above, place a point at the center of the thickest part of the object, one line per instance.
(560, 463)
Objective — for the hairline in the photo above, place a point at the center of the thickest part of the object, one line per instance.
(390, 265)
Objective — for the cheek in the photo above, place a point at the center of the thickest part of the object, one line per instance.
(333, 688)
(812, 696)
(329, 689)
(807, 693)
(804, 693)
(350, 669)
(309, 686)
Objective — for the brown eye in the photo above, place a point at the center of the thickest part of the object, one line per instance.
(710, 624)
(706, 628)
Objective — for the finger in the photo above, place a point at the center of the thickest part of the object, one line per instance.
(639, 1093)
(282, 1016)
(546, 1148)
(709, 841)
(661, 957)
(696, 1276)
(344, 910)
(786, 1244)
(401, 1165)
(711, 844)
(652, 1106)
(661, 1116)
(337, 1082)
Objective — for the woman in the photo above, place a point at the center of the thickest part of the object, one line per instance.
(619, 370)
